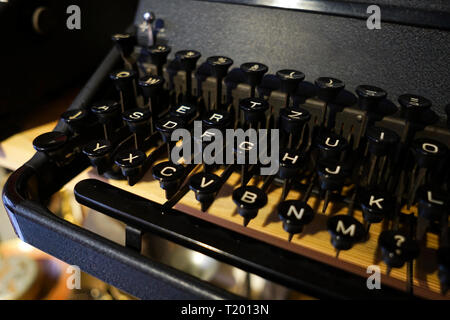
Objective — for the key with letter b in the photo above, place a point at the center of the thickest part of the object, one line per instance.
(249, 200)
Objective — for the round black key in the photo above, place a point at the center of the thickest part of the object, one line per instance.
(131, 162)
(204, 183)
(255, 72)
(106, 111)
(331, 146)
(130, 159)
(290, 80)
(249, 200)
(254, 109)
(137, 119)
(245, 147)
(428, 152)
(99, 154)
(329, 88)
(293, 119)
(185, 111)
(167, 126)
(75, 119)
(345, 231)
(376, 205)
(97, 149)
(414, 106)
(220, 65)
(170, 176)
(432, 203)
(332, 175)
(125, 43)
(50, 142)
(217, 119)
(188, 59)
(168, 172)
(370, 97)
(397, 248)
(123, 79)
(295, 215)
(205, 186)
(381, 140)
(290, 162)
(151, 85)
(158, 55)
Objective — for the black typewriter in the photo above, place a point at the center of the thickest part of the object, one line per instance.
(361, 181)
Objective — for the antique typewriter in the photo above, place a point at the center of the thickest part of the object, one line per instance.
(362, 178)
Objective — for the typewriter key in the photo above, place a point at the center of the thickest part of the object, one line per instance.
(329, 88)
(137, 121)
(331, 178)
(186, 112)
(254, 110)
(158, 55)
(345, 232)
(381, 142)
(131, 163)
(170, 176)
(370, 97)
(52, 144)
(376, 206)
(125, 43)
(205, 186)
(397, 248)
(290, 162)
(99, 154)
(331, 146)
(124, 81)
(249, 200)
(432, 207)
(243, 152)
(428, 154)
(290, 80)
(151, 87)
(188, 60)
(108, 114)
(293, 121)
(413, 106)
(220, 66)
(295, 215)
(166, 127)
(75, 119)
(254, 71)
(218, 120)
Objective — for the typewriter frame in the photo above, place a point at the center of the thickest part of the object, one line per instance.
(25, 197)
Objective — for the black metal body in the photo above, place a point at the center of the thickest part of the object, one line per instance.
(29, 188)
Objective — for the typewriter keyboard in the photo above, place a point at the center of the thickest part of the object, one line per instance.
(350, 179)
